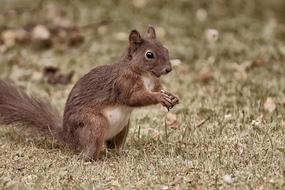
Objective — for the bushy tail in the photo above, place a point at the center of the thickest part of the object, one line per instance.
(18, 108)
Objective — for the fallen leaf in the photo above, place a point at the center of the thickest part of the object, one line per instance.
(172, 121)
(9, 38)
(14, 61)
(227, 178)
(258, 63)
(160, 32)
(246, 65)
(121, 36)
(175, 62)
(41, 32)
(3, 49)
(58, 35)
(205, 75)
(198, 187)
(228, 116)
(36, 76)
(240, 148)
(282, 150)
(212, 35)
(64, 37)
(75, 36)
(201, 15)
(283, 101)
(283, 124)
(22, 36)
(41, 36)
(240, 70)
(258, 121)
(165, 188)
(269, 105)
(183, 69)
(53, 76)
(260, 187)
(139, 3)
(241, 75)
(102, 30)
(62, 22)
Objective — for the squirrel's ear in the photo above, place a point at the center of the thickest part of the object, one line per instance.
(134, 38)
(151, 32)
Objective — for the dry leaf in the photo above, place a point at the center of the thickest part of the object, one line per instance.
(160, 32)
(175, 62)
(183, 69)
(240, 70)
(165, 188)
(63, 37)
(205, 75)
(283, 101)
(242, 75)
(121, 36)
(246, 65)
(36, 76)
(62, 22)
(240, 148)
(139, 3)
(260, 187)
(258, 63)
(53, 76)
(40, 32)
(22, 35)
(9, 38)
(227, 178)
(102, 29)
(75, 36)
(201, 15)
(212, 35)
(60, 35)
(283, 124)
(14, 60)
(41, 36)
(258, 121)
(172, 121)
(198, 187)
(269, 105)
(3, 49)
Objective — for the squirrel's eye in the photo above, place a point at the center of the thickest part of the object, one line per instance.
(149, 55)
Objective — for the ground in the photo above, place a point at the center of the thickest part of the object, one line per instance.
(231, 89)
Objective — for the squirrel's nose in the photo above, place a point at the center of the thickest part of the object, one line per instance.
(167, 70)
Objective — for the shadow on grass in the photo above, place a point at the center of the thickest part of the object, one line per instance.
(26, 137)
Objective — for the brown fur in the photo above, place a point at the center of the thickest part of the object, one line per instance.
(84, 124)
(16, 107)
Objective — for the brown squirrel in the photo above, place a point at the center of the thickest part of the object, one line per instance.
(99, 106)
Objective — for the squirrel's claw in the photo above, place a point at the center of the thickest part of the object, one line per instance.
(173, 99)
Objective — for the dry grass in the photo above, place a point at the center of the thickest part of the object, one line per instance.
(240, 146)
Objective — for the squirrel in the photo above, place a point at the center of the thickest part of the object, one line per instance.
(99, 106)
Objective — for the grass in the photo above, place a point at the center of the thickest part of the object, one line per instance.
(239, 146)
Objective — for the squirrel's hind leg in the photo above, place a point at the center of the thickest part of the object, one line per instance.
(119, 140)
(92, 136)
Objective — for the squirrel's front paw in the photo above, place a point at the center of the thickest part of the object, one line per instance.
(168, 100)
(174, 99)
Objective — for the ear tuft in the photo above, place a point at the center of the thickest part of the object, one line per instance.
(135, 38)
(151, 32)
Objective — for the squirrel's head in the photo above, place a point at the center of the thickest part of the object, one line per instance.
(148, 54)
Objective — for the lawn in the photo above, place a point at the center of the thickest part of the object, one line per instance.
(229, 128)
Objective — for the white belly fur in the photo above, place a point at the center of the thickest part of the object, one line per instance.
(118, 117)
(149, 82)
